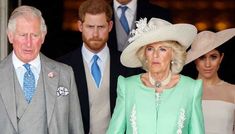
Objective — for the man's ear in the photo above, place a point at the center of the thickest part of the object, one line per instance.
(43, 36)
(110, 25)
(79, 24)
(10, 36)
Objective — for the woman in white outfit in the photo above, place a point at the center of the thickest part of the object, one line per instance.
(218, 96)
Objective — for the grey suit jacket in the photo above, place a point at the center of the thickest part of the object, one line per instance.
(63, 111)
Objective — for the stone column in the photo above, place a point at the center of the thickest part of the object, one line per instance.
(3, 26)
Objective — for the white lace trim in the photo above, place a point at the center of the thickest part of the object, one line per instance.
(181, 121)
(133, 120)
(158, 99)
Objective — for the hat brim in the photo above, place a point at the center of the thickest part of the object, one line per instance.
(220, 38)
(182, 33)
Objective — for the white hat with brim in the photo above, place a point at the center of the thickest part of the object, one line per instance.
(206, 41)
(156, 30)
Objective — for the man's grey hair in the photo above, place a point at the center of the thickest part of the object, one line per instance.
(25, 11)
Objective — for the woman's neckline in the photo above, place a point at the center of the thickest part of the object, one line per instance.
(152, 89)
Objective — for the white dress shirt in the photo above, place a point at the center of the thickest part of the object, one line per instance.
(103, 56)
(20, 69)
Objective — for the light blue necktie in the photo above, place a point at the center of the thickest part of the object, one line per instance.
(95, 70)
(123, 19)
(28, 83)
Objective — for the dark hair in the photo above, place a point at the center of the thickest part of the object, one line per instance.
(220, 49)
(95, 7)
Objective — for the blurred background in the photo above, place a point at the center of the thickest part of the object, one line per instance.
(205, 14)
(63, 36)
(61, 18)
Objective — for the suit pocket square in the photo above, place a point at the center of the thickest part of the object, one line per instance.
(62, 91)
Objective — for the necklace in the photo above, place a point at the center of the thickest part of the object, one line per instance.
(159, 84)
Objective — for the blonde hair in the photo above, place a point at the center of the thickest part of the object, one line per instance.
(179, 56)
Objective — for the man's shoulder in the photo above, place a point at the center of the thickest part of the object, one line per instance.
(53, 63)
(154, 10)
(6, 61)
(71, 57)
(144, 3)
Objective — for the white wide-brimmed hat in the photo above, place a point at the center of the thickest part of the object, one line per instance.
(154, 31)
(206, 41)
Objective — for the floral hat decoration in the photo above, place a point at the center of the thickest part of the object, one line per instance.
(154, 31)
(206, 41)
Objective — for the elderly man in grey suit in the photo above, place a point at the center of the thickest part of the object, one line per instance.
(37, 95)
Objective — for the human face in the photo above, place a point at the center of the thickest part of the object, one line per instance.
(95, 31)
(158, 56)
(208, 64)
(27, 38)
(124, 2)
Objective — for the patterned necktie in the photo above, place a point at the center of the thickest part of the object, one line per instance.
(28, 83)
(95, 70)
(123, 19)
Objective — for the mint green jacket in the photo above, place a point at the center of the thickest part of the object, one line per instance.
(139, 110)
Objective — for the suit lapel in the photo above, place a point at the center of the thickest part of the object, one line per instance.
(81, 82)
(50, 76)
(80, 74)
(75, 60)
(7, 91)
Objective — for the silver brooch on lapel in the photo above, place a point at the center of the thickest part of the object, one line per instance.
(62, 91)
(51, 74)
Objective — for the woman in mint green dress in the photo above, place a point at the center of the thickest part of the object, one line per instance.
(160, 101)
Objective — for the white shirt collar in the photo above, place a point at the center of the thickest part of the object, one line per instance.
(132, 5)
(88, 55)
(35, 64)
